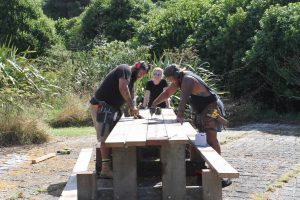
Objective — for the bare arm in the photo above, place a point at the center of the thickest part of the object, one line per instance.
(146, 98)
(168, 100)
(186, 90)
(124, 90)
(165, 95)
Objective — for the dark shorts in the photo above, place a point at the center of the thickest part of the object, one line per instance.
(204, 122)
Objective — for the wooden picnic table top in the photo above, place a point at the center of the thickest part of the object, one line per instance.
(151, 130)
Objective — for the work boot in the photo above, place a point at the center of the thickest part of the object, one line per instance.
(106, 172)
(226, 182)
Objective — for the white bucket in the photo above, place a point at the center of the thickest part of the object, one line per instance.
(200, 139)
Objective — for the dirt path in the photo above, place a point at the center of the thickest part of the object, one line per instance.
(262, 153)
(44, 180)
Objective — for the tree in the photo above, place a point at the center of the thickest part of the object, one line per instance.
(274, 56)
(112, 19)
(64, 9)
(23, 22)
(170, 24)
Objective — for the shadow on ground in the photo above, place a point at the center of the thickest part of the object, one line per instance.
(56, 189)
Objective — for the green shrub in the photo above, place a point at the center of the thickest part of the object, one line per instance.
(64, 9)
(274, 57)
(24, 22)
(21, 81)
(80, 72)
(110, 20)
(170, 24)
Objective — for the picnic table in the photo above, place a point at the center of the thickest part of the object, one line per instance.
(157, 130)
(161, 130)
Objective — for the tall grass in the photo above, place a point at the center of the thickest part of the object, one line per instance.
(21, 84)
(72, 110)
(19, 128)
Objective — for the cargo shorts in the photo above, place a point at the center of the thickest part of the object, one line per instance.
(98, 125)
(204, 122)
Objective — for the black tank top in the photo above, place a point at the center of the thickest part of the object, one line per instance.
(199, 103)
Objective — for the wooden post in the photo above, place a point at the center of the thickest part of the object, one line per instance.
(173, 171)
(86, 185)
(212, 187)
(125, 173)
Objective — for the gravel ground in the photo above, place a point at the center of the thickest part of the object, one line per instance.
(262, 153)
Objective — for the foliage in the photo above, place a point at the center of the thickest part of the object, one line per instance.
(186, 58)
(274, 57)
(24, 22)
(170, 24)
(20, 80)
(111, 19)
(64, 9)
(19, 128)
(72, 112)
(224, 32)
(80, 72)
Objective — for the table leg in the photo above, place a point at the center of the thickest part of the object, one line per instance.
(125, 173)
(173, 171)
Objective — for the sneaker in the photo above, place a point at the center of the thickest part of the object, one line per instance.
(226, 182)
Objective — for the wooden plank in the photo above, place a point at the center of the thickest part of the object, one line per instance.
(157, 134)
(125, 173)
(175, 131)
(212, 187)
(118, 135)
(218, 163)
(173, 171)
(86, 185)
(42, 158)
(137, 133)
(82, 163)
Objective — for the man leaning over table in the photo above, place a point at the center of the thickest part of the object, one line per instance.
(116, 89)
(204, 102)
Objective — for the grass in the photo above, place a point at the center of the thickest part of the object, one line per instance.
(73, 131)
(20, 129)
(284, 179)
(259, 197)
(232, 138)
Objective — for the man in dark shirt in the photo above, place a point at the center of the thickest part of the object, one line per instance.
(116, 89)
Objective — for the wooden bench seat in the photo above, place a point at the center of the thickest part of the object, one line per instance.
(219, 168)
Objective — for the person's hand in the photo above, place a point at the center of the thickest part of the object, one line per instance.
(138, 116)
(152, 110)
(134, 111)
(180, 120)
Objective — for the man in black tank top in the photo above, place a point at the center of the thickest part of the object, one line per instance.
(116, 89)
(201, 98)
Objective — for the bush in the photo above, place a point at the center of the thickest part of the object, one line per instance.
(73, 112)
(80, 72)
(18, 128)
(169, 25)
(64, 9)
(274, 57)
(111, 19)
(21, 81)
(26, 25)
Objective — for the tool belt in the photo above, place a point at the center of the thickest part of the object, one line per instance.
(210, 118)
(107, 115)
